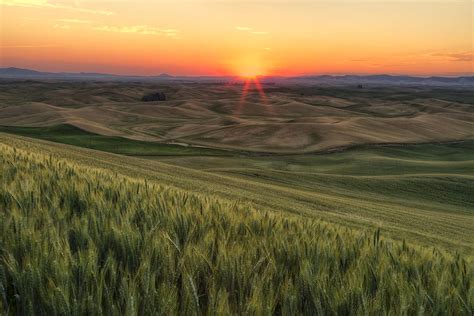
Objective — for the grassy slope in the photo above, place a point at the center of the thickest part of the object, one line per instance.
(439, 175)
(76, 240)
(68, 134)
(431, 207)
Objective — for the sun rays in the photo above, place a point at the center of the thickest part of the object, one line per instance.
(252, 84)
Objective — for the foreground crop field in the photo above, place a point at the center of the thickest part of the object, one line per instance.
(421, 193)
(76, 239)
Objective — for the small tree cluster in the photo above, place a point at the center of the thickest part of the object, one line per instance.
(157, 96)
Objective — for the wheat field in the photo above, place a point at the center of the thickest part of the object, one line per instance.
(77, 240)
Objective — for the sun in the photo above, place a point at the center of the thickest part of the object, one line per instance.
(249, 67)
(250, 72)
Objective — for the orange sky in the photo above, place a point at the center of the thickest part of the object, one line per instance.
(222, 37)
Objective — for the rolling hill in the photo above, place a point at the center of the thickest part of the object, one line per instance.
(419, 193)
(284, 119)
(87, 232)
(230, 199)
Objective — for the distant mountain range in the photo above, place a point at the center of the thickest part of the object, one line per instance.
(19, 73)
(463, 80)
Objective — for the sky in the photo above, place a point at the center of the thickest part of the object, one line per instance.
(232, 37)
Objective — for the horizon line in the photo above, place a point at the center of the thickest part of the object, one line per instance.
(333, 74)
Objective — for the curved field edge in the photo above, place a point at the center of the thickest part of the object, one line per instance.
(79, 240)
(418, 223)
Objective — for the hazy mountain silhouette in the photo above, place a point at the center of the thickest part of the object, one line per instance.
(20, 73)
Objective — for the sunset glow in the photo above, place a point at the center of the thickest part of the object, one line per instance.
(249, 72)
(243, 38)
(249, 67)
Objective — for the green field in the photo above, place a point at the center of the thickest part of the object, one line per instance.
(421, 193)
(85, 232)
(68, 134)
